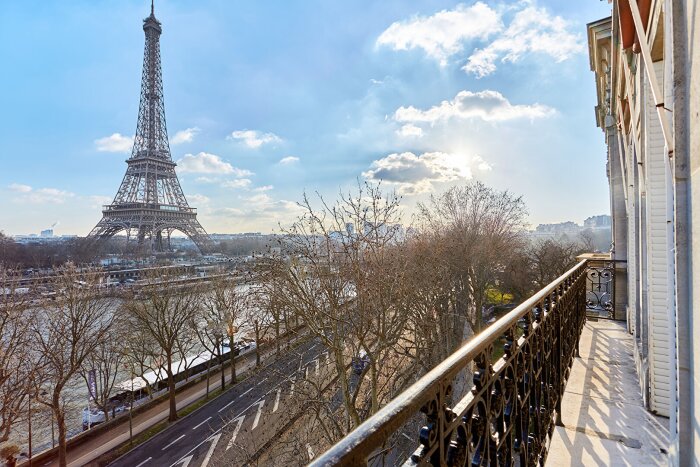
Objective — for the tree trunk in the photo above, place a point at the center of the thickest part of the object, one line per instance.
(350, 410)
(208, 368)
(223, 375)
(257, 346)
(375, 383)
(233, 364)
(171, 393)
(62, 446)
(277, 335)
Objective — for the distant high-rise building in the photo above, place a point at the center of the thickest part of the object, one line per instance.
(46, 233)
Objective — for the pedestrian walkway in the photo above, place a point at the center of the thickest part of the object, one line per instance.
(90, 450)
(605, 422)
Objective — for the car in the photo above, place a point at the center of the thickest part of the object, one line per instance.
(360, 362)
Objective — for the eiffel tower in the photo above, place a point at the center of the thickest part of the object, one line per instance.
(150, 204)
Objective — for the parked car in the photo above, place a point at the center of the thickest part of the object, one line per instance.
(360, 362)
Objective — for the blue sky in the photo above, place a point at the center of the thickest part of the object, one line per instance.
(265, 100)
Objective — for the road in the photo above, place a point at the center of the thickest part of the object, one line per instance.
(239, 422)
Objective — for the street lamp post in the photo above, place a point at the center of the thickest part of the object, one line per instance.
(131, 406)
(30, 429)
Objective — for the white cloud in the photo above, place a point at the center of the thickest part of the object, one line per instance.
(486, 105)
(198, 200)
(97, 201)
(19, 188)
(185, 136)
(481, 164)
(410, 131)
(288, 160)
(27, 194)
(264, 188)
(416, 174)
(209, 164)
(529, 29)
(444, 33)
(261, 207)
(532, 29)
(206, 180)
(238, 183)
(115, 143)
(263, 204)
(254, 139)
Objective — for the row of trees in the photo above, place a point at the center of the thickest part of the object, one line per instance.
(405, 299)
(50, 350)
(356, 280)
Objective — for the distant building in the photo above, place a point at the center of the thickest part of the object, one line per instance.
(559, 228)
(48, 233)
(598, 222)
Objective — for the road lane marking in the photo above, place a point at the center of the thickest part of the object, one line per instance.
(185, 461)
(144, 462)
(224, 407)
(205, 421)
(261, 382)
(211, 450)
(257, 415)
(277, 400)
(312, 347)
(172, 442)
(235, 431)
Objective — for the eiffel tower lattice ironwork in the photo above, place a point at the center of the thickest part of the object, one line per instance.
(150, 204)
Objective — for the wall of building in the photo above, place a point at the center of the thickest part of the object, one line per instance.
(657, 134)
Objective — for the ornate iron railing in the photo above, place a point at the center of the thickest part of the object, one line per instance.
(509, 416)
(600, 287)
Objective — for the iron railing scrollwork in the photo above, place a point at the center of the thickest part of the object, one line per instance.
(509, 415)
(600, 287)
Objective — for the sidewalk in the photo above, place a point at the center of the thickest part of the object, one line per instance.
(91, 449)
(605, 422)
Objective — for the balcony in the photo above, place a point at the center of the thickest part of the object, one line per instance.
(564, 390)
(107, 208)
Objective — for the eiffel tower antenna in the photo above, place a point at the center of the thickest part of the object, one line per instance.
(150, 205)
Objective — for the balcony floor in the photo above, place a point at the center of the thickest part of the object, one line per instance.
(602, 410)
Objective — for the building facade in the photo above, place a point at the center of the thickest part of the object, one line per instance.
(645, 60)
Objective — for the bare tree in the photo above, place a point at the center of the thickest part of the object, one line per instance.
(219, 318)
(65, 334)
(142, 355)
(257, 316)
(551, 258)
(268, 297)
(104, 363)
(344, 280)
(164, 312)
(477, 226)
(16, 369)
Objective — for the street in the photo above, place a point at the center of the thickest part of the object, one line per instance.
(239, 422)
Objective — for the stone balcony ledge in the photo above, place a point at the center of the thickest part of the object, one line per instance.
(605, 422)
